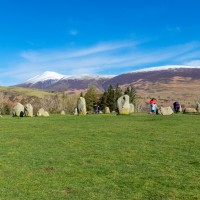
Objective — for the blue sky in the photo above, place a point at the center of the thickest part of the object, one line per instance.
(95, 36)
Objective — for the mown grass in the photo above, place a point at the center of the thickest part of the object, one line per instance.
(100, 157)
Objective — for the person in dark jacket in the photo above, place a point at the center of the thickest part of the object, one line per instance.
(176, 106)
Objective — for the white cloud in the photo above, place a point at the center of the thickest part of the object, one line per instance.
(102, 58)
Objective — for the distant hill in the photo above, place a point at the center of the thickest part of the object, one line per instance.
(168, 82)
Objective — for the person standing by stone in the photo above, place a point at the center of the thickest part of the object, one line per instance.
(176, 106)
(153, 106)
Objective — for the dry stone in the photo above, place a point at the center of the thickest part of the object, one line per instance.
(81, 106)
(18, 110)
(28, 110)
(123, 105)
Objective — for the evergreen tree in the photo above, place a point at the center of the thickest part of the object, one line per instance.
(110, 98)
(103, 101)
(90, 98)
(118, 92)
(131, 92)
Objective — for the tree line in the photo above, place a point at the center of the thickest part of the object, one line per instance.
(109, 97)
(55, 103)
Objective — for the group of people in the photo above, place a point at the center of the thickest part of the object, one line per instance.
(152, 102)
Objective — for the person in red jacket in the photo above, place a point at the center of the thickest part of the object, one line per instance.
(153, 106)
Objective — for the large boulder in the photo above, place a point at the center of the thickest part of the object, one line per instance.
(123, 105)
(18, 110)
(132, 109)
(166, 110)
(107, 110)
(28, 110)
(81, 106)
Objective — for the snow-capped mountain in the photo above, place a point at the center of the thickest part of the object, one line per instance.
(59, 82)
(53, 81)
(156, 74)
(45, 77)
(166, 67)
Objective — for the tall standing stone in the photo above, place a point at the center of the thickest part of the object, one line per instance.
(81, 106)
(123, 105)
(28, 110)
(18, 110)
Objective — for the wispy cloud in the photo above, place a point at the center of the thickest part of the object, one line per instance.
(194, 63)
(103, 58)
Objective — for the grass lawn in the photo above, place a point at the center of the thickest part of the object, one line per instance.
(100, 157)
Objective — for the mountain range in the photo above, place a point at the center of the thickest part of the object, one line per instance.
(174, 82)
(167, 83)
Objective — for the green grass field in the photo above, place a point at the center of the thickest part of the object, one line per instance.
(100, 157)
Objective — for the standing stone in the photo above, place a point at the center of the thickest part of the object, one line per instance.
(166, 110)
(198, 107)
(132, 109)
(75, 111)
(81, 106)
(18, 110)
(28, 110)
(107, 110)
(46, 114)
(62, 112)
(123, 105)
(40, 112)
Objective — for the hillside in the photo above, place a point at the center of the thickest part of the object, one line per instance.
(167, 84)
